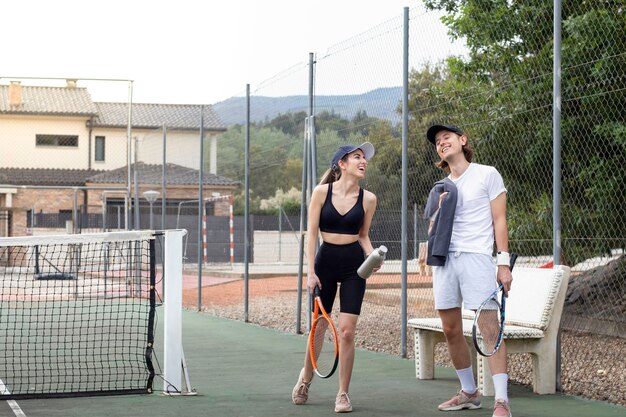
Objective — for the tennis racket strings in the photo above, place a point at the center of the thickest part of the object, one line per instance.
(489, 326)
(323, 346)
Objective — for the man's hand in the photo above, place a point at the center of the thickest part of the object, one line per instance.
(505, 278)
(441, 197)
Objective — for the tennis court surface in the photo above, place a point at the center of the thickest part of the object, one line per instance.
(243, 370)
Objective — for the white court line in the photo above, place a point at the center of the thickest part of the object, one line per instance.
(12, 403)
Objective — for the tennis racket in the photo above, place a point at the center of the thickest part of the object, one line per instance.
(323, 341)
(488, 326)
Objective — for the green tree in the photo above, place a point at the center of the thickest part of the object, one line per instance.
(270, 164)
(502, 94)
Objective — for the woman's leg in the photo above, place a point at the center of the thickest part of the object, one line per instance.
(346, 329)
(308, 367)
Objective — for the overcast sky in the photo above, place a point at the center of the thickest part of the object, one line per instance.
(177, 51)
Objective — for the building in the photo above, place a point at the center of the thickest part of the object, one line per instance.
(64, 154)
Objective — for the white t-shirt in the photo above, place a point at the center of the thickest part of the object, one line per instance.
(472, 230)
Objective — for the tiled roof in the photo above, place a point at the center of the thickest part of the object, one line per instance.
(76, 101)
(151, 174)
(146, 174)
(154, 116)
(46, 176)
(66, 101)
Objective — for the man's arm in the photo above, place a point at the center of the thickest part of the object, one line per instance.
(498, 212)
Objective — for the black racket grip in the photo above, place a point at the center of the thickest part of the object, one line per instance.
(512, 259)
(317, 291)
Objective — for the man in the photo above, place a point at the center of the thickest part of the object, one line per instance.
(466, 275)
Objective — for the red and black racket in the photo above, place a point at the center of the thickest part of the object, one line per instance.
(323, 341)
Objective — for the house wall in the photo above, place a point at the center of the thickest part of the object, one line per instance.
(40, 200)
(18, 133)
(47, 201)
(115, 149)
(52, 201)
(174, 194)
(18, 149)
(178, 193)
(55, 200)
(182, 148)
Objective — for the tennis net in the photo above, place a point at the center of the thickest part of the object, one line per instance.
(77, 314)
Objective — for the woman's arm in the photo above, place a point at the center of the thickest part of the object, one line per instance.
(315, 208)
(369, 204)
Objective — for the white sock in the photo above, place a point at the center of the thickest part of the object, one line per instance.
(466, 376)
(500, 385)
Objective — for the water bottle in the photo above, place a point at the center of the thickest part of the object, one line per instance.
(373, 260)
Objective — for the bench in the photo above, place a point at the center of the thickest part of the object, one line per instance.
(533, 315)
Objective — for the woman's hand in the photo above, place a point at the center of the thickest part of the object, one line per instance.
(313, 281)
(378, 267)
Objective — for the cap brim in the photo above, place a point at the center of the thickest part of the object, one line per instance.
(368, 150)
(432, 132)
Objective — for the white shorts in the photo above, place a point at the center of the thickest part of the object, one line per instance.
(466, 280)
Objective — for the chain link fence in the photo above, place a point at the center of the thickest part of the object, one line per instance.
(501, 93)
(497, 85)
(485, 66)
(489, 69)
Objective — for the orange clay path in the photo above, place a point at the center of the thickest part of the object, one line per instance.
(226, 291)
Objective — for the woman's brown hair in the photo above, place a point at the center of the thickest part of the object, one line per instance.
(333, 173)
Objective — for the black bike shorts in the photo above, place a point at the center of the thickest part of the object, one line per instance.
(337, 264)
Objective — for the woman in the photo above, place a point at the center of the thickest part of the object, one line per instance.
(341, 211)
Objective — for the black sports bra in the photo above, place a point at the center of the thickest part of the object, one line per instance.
(333, 222)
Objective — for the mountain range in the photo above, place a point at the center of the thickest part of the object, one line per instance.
(382, 103)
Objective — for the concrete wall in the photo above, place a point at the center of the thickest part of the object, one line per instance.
(272, 246)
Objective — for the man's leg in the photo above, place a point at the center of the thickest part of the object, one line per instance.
(498, 367)
(452, 324)
(468, 397)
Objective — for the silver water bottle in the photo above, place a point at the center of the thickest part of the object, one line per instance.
(373, 260)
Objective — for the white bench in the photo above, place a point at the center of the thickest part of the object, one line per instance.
(533, 315)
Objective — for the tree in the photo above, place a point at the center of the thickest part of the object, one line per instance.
(270, 164)
(502, 93)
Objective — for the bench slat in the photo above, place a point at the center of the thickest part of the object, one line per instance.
(510, 331)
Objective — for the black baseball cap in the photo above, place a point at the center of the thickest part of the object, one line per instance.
(366, 147)
(434, 129)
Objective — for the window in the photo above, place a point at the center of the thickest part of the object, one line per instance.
(99, 156)
(57, 140)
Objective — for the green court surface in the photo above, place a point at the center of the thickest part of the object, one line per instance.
(242, 370)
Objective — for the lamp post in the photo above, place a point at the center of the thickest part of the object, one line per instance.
(151, 196)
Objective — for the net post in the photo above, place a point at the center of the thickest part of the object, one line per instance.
(173, 349)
